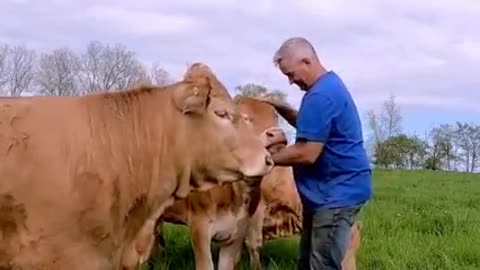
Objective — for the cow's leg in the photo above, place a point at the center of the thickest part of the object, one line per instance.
(145, 240)
(254, 237)
(201, 241)
(139, 249)
(349, 261)
(229, 255)
(159, 241)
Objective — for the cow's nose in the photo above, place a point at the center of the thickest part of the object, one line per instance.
(275, 134)
(269, 160)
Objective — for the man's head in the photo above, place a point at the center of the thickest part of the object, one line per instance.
(298, 60)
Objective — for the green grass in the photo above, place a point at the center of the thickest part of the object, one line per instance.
(416, 220)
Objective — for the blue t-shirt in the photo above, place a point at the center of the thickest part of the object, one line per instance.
(341, 176)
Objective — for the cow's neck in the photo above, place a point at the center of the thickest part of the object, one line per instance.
(160, 151)
(141, 142)
(254, 193)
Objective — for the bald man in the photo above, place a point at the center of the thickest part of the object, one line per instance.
(331, 168)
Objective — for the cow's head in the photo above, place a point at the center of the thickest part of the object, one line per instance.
(264, 120)
(222, 145)
(283, 214)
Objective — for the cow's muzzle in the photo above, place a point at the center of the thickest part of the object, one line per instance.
(274, 139)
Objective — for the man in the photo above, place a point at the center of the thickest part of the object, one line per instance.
(331, 168)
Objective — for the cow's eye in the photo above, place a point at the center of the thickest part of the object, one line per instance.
(222, 113)
(247, 118)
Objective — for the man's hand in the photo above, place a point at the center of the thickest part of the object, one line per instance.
(276, 104)
(276, 148)
(283, 108)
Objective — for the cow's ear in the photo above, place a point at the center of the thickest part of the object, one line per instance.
(192, 99)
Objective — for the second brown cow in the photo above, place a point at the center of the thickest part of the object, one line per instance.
(228, 214)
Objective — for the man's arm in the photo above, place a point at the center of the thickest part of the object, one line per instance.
(299, 153)
(313, 128)
(288, 113)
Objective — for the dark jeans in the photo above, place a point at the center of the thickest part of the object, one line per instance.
(325, 237)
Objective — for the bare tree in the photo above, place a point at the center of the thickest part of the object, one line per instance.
(377, 129)
(391, 117)
(104, 67)
(133, 74)
(441, 147)
(445, 139)
(474, 134)
(255, 90)
(159, 76)
(57, 73)
(384, 125)
(463, 139)
(3, 64)
(387, 123)
(19, 69)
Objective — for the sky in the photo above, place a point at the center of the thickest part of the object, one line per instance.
(426, 53)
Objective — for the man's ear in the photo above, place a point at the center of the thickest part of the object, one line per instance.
(192, 99)
(306, 61)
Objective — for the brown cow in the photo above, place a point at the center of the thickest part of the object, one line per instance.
(230, 214)
(80, 176)
(283, 208)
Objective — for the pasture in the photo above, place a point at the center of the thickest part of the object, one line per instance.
(416, 220)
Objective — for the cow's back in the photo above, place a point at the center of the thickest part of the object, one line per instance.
(283, 213)
(279, 184)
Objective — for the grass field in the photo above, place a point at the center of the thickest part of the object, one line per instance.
(416, 220)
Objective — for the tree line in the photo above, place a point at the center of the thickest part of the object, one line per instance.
(114, 67)
(448, 146)
(106, 67)
(63, 72)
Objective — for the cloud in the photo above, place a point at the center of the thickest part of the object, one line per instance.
(138, 23)
(426, 53)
